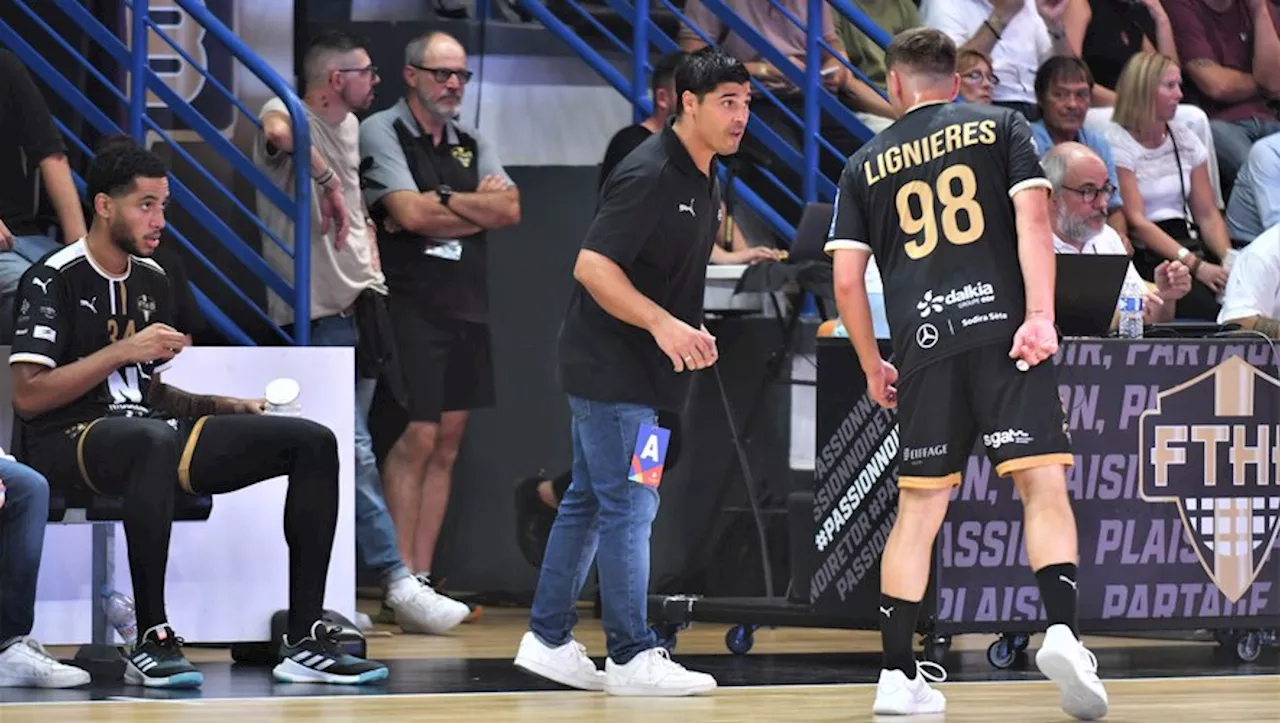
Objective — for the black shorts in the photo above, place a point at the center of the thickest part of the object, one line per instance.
(62, 456)
(947, 406)
(447, 364)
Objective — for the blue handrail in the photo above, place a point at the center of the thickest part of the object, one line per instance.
(142, 79)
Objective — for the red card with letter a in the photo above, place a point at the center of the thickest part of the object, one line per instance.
(650, 455)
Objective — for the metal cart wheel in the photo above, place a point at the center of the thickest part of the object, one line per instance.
(936, 647)
(1249, 646)
(1002, 653)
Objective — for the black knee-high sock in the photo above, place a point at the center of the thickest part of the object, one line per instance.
(1058, 592)
(897, 625)
(310, 515)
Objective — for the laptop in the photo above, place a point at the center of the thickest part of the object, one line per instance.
(811, 234)
(1087, 292)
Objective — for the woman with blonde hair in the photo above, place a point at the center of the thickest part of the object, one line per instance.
(977, 80)
(1164, 183)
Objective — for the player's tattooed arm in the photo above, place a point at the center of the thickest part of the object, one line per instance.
(185, 405)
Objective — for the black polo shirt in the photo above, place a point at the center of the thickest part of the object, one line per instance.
(657, 220)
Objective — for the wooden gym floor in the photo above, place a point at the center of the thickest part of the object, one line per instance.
(791, 674)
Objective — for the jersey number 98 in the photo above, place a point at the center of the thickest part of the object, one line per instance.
(953, 204)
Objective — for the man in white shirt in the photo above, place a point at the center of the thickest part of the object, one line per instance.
(1081, 191)
(1018, 35)
(347, 289)
(1252, 298)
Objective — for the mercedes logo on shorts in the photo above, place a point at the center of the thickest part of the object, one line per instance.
(926, 336)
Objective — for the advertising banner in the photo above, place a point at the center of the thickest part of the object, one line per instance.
(1175, 489)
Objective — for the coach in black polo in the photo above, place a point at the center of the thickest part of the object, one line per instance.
(632, 332)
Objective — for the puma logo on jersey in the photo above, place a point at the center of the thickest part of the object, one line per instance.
(42, 283)
(90, 304)
(683, 207)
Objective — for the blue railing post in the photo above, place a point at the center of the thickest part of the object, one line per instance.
(813, 87)
(138, 73)
(639, 58)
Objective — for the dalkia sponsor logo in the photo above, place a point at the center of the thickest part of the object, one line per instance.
(914, 453)
(984, 318)
(996, 440)
(961, 298)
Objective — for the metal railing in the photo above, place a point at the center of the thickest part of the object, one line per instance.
(647, 37)
(134, 59)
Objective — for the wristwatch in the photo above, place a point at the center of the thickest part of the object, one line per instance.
(444, 193)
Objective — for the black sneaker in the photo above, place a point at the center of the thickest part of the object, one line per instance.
(533, 520)
(318, 658)
(158, 663)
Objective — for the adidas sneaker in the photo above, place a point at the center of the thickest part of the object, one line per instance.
(156, 661)
(318, 658)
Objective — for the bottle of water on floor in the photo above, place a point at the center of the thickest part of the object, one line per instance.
(1132, 298)
(120, 614)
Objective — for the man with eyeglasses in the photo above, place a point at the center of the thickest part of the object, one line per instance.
(348, 290)
(1081, 190)
(435, 188)
(1064, 90)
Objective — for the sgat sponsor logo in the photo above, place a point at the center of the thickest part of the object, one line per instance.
(1211, 446)
(996, 440)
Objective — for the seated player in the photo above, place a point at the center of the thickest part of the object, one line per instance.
(92, 336)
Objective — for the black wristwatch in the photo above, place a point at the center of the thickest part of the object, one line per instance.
(444, 193)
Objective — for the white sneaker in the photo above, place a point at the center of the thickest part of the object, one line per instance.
(566, 665)
(1064, 660)
(896, 694)
(26, 664)
(654, 673)
(420, 609)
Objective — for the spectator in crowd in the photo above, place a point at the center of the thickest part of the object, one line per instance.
(24, 509)
(1164, 183)
(780, 32)
(893, 16)
(1255, 200)
(1018, 35)
(1253, 293)
(348, 290)
(732, 246)
(1064, 89)
(435, 188)
(1231, 51)
(977, 80)
(29, 143)
(1106, 33)
(1081, 188)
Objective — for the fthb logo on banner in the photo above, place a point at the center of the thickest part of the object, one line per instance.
(180, 68)
(1212, 447)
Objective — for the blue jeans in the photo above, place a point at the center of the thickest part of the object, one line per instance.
(375, 532)
(22, 521)
(602, 509)
(13, 264)
(1232, 141)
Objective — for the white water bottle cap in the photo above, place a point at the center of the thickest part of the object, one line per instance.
(282, 392)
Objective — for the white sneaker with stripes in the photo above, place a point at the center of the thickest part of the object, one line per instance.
(318, 658)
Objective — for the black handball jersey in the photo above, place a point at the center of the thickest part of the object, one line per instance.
(68, 308)
(932, 198)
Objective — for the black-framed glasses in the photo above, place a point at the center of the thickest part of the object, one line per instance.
(977, 76)
(1090, 193)
(371, 70)
(442, 75)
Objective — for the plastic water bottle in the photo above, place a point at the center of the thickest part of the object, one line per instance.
(120, 614)
(1132, 299)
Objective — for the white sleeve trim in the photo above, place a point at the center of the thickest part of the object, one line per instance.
(1031, 183)
(843, 244)
(161, 367)
(26, 357)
